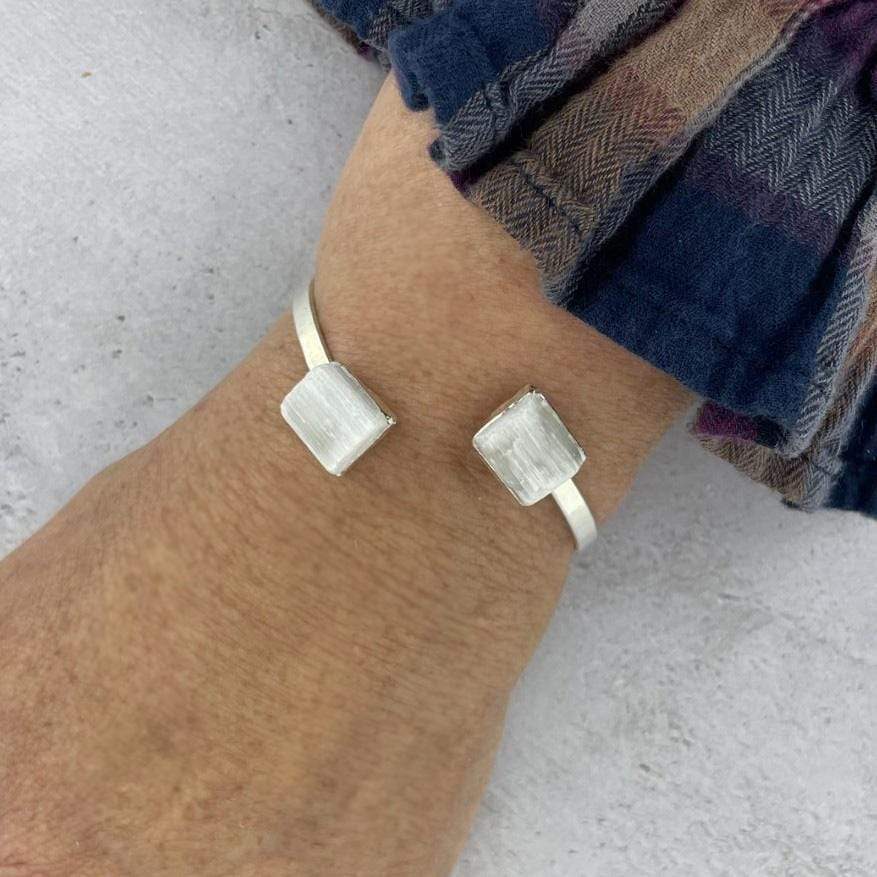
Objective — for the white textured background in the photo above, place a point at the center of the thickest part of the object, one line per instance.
(706, 701)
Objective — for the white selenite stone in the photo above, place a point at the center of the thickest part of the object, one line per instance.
(335, 416)
(528, 447)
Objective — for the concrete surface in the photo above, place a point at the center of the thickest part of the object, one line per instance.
(706, 701)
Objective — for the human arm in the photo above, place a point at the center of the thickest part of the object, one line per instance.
(218, 659)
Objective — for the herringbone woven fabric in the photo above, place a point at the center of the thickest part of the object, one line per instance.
(695, 178)
(591, 162)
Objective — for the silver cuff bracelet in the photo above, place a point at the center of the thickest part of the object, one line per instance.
(525, 443)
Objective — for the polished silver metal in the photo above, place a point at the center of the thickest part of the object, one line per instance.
(533, 454)
(304, 315)
(336, 417)
(577, 513)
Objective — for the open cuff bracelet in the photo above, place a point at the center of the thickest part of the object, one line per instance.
(525, 443)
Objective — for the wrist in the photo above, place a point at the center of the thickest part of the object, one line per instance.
(441, 312)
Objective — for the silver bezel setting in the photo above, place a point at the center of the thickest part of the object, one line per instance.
(533, 455)
(333, 413)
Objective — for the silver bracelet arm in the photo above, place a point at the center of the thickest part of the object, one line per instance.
(304, 315)
(575, 509)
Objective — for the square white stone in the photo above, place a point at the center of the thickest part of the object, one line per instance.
(335, 416)
(528, 447)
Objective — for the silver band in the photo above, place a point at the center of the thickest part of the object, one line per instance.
(304, 315)
(577, 513)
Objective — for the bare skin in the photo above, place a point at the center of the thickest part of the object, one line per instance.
(219, 660)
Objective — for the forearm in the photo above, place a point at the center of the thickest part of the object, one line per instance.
(311, 672)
